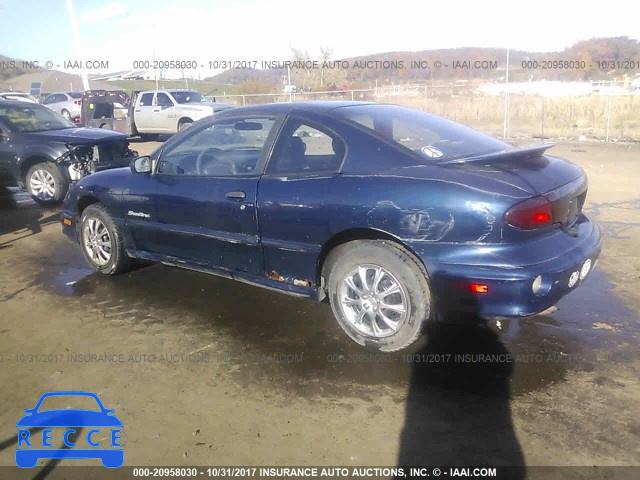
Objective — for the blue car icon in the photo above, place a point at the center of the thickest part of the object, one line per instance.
(31, 448)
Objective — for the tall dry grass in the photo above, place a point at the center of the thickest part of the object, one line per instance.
(529, 116)
(533, 116)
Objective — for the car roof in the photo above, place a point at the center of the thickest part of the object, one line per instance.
(20, 103)
(319, 106)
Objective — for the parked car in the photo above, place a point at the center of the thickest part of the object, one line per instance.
(19, 96)
(67, 104)
(146, 114)
(391, 214)
(169, 111)
(43, 152)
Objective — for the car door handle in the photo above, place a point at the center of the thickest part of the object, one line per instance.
(236, 195)
(156, 110)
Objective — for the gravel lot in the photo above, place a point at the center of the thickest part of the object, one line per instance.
(205, 371)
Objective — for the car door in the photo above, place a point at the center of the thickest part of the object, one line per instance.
(143, 113)
(7, 155)
(291, 198)
(205, 194)
(164, 120)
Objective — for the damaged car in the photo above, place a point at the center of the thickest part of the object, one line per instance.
(43, 152)
(393, 215)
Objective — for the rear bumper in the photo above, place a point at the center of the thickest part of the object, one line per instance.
(509, 271)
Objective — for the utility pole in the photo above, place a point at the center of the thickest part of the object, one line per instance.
(505, 128)
(76, 40)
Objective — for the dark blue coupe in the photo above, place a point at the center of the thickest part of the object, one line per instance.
(392, 214)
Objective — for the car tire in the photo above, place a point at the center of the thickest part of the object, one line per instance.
(65, 113)
(370, 316)
(184, 124)
(45, 184)
(102, 242)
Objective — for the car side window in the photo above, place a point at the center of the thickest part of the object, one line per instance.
(225, 148)
(48, 100)
(303, 148)
(146, 100)
(163, 100)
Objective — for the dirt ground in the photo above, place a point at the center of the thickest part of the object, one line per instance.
(206, 371)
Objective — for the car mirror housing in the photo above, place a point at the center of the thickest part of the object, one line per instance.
(141, 164)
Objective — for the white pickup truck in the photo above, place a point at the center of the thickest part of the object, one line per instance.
(169, 111)
(149, 114)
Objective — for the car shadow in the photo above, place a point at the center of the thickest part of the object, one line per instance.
(458, 406)
(47, 468)
(6, 198)
(24, 219)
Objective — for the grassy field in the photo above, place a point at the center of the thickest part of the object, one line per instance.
(532, 116)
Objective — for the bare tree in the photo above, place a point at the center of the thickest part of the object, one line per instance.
(303, 56)
(325, 56)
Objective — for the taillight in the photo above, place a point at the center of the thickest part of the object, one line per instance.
(531, 214)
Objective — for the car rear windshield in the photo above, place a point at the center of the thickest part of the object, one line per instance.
(75, 94)
(188, 97)
(32, 118)
(433, 138)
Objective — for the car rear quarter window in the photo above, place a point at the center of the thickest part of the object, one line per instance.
(306, 149)
(431, 137)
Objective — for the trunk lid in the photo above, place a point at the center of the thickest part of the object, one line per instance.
(562, 183)
(527, 168)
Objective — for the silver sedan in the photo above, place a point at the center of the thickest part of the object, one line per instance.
(67, 104)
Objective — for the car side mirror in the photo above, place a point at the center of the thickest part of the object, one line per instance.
(141, 164)
(29, 410)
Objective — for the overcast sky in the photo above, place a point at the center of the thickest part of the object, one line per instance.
(203, 30)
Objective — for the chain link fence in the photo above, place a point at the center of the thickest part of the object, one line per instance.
(599, 117)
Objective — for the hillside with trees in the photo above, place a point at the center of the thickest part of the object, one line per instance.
(594, 59)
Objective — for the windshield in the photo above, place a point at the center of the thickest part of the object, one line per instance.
(63, 402)
(75, 94)
(188, 97)
(32, 118)
(432, 137)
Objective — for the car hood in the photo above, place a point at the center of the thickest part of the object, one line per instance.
(206, 106)
(111, 178)
(78, 136)
(69, 418)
